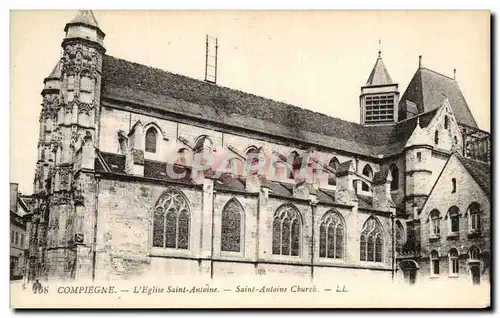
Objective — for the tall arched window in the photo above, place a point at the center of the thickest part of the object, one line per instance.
(333, 164)
(231, 226)
(434, 260)
(331, 236)
(454, 215)
(395, 177)
(367, 172)
(474, 217)
(436, 137)
(400, 237)
(151, 140)
(286, 231)
(435, 223)
(446, 122)
(372, 242)
(453, 262)
(453, 185)
(171, 221)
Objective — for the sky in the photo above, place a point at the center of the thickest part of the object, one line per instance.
(312, 59)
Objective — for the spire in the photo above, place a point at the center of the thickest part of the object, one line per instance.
(85, 17)
(379, 74)
(56, 72)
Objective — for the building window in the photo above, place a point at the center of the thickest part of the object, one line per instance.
(395, 178)
(332, 177)
(453, 185)
(70, 88)
(446, 122)
(232, 215)
(435, 226)
(434, 263)
(379, 108)
(181, 155)
(453, 262)
(11, 236)
(252, 160)
(474, 254)
(86, 89)
(419, 156)
(400, 237)
(22, 239)
(16, 240)
(331, 236)
(286, 231)
(474, 215)
(171, 221)
(436, 137)
(454, 216)
(151, 140)
(367, 172)
(371, 242)
(295, 161)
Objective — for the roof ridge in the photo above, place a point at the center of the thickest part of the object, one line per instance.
(236, 90)
(428, 69)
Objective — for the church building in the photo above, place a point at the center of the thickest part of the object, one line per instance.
(142, 172)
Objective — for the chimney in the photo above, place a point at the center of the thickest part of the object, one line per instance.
(381, 185)
(345, 193)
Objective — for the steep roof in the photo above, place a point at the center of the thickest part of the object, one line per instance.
(56, 71)
(379, 74)
(479, 171)
(164, 91)
(85, 17)
(427, 89)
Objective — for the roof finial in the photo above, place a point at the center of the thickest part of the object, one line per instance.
(379, 48)
(419, 61)
(454, 73)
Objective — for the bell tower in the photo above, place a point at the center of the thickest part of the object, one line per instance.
(379, 97)
(64, 181)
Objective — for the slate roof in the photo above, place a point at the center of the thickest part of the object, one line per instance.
(379, 74)
(154, 88)
(85, 17)
(428, 89)
(480, 172)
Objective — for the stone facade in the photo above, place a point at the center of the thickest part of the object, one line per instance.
(103, 175)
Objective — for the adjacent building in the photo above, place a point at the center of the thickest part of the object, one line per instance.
(142, 172)
(19, 209)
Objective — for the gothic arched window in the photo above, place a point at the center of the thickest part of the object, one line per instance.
(395, 177)
(474, 254)
(231, 226)
(331, 236)
(434, 260)
(286, 231)
(400, 237)
(367, 172)
(446, 122)
(474, 217)
(453, 214)
(453, 262)
(333, 164)
(435, 218)
(372, 242)
(151, 140)
(171, 221)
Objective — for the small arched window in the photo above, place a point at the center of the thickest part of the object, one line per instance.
(367, 172)
(400, 237)
(333, 164)
(286, 231)
(454, 215)
(371, 242)
(435, 223)
(474, 254)
(296, 162)
(231, 226)
(252, 160)
(436, 137)
(151, 140)
(446, 122)
(453, 185)
(171, 221)
(453, 262)
(434, 260)
(474, 217)
(331, 236)
(395, 177)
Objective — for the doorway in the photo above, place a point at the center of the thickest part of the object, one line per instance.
(476, 275)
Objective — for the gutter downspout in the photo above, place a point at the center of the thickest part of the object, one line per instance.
(393, 248)
(212, 239)
(313, 210)
(94, 244)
